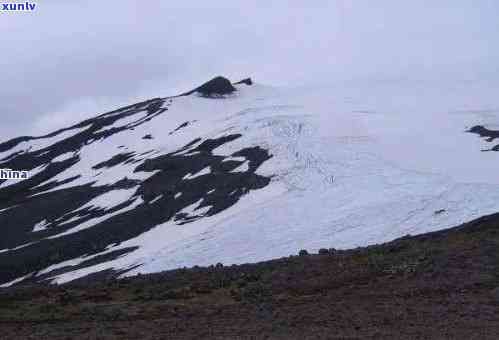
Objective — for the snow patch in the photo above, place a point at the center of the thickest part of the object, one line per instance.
(42, 225)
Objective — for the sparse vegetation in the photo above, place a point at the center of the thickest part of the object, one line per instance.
(446, 279)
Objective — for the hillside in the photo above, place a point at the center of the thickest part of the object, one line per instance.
(441, 285)
(244, 172)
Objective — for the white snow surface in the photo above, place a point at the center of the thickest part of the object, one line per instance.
(42, 225)
(351, 166)
(39, 144)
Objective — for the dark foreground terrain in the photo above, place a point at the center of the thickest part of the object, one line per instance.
(443, 285)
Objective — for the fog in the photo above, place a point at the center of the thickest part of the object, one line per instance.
(71, 59)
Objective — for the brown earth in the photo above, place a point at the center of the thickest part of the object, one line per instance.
(442, 285)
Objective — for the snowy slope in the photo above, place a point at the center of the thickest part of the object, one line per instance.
(252, 175)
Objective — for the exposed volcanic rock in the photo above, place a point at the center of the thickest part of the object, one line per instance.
(72, 210)
(218, 189)
(484, 132)
(246, 81)
(181, 126)
(216, 87)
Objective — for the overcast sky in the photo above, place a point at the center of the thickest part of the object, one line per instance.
(74, 58)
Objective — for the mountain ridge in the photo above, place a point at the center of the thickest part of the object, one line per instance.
(236, 177)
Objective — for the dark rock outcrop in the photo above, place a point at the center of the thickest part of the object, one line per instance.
(246, 81)
(484, 132)
(490, 135)
(51, 232)
(216, 87)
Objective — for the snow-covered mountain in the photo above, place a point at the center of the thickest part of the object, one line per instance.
(244, 172)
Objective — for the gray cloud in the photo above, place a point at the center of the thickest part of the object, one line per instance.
(75, 58)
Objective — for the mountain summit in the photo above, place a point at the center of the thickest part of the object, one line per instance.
(191, 180)
(216, 87)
